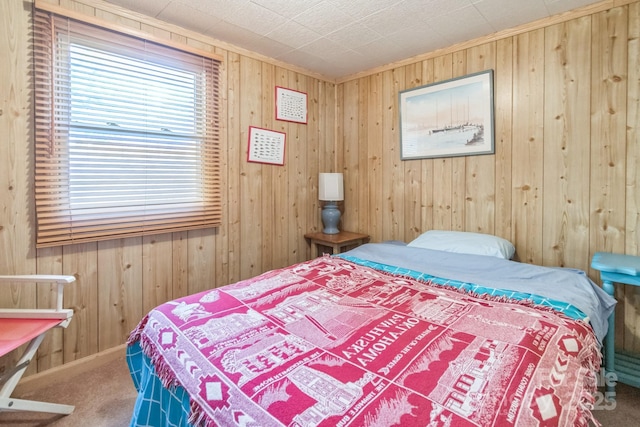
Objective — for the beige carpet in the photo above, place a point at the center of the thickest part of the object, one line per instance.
(104, 397)
(624, 411)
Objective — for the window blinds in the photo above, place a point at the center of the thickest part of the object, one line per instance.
(127, 136)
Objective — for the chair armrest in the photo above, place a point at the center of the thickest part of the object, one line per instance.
(38, 278)
(60, 280)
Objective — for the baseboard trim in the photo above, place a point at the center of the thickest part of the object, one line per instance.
(77, 367)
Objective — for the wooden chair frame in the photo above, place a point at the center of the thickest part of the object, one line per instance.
(59, 317)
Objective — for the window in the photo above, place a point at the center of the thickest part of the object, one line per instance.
(126, 135)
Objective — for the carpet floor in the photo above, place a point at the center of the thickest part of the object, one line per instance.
(105, 397)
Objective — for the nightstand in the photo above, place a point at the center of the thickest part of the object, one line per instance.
(616, 268)
(337, 243)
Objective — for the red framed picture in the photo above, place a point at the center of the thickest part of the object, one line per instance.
(266, 146)
(291, 105)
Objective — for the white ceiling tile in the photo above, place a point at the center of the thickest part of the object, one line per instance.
(216, 6)
(293, 34)
(461, 25)
(388, 21)
(414, 41)
(269, 47)
(146, 7)
(324, 48)
(359, 10)
(298, 56)
(383, 48)
(233, 34)
(181, 14)
(256, 18)
(288, 8)
(439, 8)
(323, 18)
(354, 35)
(336, 70)
(503, 14)
(343, 37)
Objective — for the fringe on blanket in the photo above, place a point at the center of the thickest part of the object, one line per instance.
(593, 363)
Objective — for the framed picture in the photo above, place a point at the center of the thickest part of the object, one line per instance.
(291, 105)
(448, 118)
(266, 146)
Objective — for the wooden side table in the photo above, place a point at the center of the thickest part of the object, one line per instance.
(617, 268)
(338, 243)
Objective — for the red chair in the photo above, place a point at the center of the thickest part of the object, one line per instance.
(20, 326)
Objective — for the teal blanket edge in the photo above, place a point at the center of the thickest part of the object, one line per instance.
(559, 306)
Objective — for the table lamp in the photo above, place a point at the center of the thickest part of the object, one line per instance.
(331, 190)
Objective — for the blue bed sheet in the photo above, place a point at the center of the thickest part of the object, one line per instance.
(555, 285)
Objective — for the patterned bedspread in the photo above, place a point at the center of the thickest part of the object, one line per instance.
(329, 342)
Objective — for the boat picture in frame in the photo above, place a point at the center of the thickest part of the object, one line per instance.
(448, 118)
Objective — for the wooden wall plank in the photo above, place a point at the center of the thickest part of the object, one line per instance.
(458, 164)
(329, 159)
(364, 160)
(528, 102)
(608, 128)
(50, 353)
(201, 247)
(179, 264)
(351, 163)
(393, 182)
(157, 271)
(608, 148)
(442, 167)
(235, 148)
(376, 153)
(223, 264)
(479, 191)
(16, 209)
(566, 153)
(503, 116)
(120, 290)
(413, 184)
(297, 179)
(271, 210)
(280, 194)
(250, 173)
(82, 335)
(632, 216)
(427, 177)
(315, 134)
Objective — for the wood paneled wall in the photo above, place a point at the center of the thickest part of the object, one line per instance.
(562, 183)
(267, 208)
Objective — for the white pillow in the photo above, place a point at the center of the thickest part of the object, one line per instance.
(465, 243)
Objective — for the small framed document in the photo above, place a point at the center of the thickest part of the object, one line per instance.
(291, 105)
(266, 146)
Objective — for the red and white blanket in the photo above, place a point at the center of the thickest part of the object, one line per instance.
(331, 343)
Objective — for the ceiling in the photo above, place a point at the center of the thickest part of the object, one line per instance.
(338, 38)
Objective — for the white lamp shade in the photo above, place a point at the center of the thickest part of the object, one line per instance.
(330, 187)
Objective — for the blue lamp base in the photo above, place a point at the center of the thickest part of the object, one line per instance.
(330, 218)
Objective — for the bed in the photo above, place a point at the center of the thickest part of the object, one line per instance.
(385, 334)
